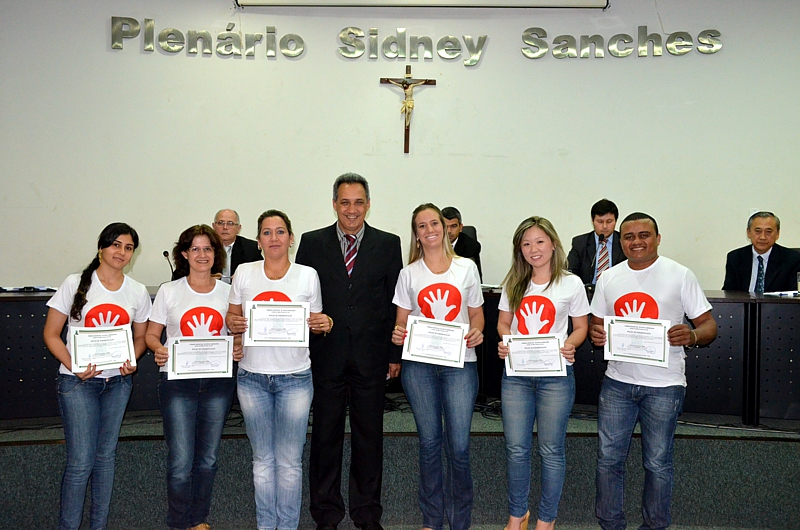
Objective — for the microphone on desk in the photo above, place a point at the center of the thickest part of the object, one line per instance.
(166, 257)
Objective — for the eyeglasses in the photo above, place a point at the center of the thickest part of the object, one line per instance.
(229, 224)
(198, 250)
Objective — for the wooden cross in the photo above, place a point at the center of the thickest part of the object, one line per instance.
(407, 83)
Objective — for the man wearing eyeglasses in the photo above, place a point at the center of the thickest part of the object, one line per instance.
(239, 249)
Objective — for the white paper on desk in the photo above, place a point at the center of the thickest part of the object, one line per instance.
(637, 340)
(534, 356)
(789, 294)
(200, 357)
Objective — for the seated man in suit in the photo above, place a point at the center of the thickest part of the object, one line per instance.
(762, 266)
(588, 258)
(464, 245)
(239, 249)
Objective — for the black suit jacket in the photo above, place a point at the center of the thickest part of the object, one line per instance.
(244, 251)
(360, 305)
(469, 247)
(781, 273)
(584, 251)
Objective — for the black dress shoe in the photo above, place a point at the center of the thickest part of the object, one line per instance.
(369, 526)
(326, 526)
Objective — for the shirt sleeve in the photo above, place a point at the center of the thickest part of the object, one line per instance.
(61, 301)
(402, 292)
(159, 312)
(475, 294)
(503, 304)
(314, 298)
(143, 307)
(598, 307)
(235, 296)
(578, 303)
(693, 299)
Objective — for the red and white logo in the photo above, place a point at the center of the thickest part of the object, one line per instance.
(201, 322)
(272, 296)
(106, 315)
(639, 305)
(536, 315)
(441, 301)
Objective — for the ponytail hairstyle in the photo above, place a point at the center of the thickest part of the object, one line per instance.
(184, 243)
(104, 240)
(519, 276)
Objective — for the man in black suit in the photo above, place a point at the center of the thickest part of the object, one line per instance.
(778, 265)
(585, 253)
(464, 245)
(239, 249)
(358, 267)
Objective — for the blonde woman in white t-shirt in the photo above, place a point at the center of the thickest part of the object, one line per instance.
(92, 401)
(274, 383)
(438, 284)
(539, 297)
(194, 410)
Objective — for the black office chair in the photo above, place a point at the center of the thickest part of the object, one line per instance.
(470, 231)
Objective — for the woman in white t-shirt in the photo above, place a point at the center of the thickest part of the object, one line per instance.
(194, 410)
(539, 297)
(93, 401)
(274, 383)
(440, 285)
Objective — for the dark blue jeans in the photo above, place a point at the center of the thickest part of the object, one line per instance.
(194, 412)
(92, 413)
(657, 410)
(436, 393)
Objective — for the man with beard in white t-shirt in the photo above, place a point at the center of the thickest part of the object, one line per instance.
(645, 286)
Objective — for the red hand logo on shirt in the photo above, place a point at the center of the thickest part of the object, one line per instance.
(272, 296)
(106, 315)
(201, 322)
(536, 315)
(441, 301)
(639, 305)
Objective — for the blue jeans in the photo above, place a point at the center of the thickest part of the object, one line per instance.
(92, 413)
(435, 391)
(275, 410)
(547, 401)
(194, 412)
(657, 410)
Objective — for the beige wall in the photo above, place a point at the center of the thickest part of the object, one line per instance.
(92, 135)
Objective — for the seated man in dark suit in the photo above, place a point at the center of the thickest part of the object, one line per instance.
(598, 250)
(762, 266)
(239, 249)
(464, 245)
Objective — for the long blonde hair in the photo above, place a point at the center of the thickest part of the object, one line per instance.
(519, 276)
(416, 252)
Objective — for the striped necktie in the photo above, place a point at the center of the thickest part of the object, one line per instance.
(760, 276)
(602, 260)
(350, 253)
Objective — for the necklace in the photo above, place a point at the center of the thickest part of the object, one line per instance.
(279, 275)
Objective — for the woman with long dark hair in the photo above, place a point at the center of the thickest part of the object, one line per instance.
(440, 285)
(539, 297)
(194, 410)
(92, 401)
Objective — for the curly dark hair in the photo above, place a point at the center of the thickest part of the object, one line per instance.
(184, 243)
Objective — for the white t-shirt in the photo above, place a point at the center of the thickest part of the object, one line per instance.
(128, 304)
(666, 290)
(545, 311)
(187, 313)
(299, 284)
(445, 296)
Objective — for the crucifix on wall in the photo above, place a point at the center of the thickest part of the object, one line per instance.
(407, 83)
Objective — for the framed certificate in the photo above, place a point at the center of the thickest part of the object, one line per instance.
(435, 342)
(534, 356)
(637, 340)
(107, 347)
(281, 324)
(200, 357)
